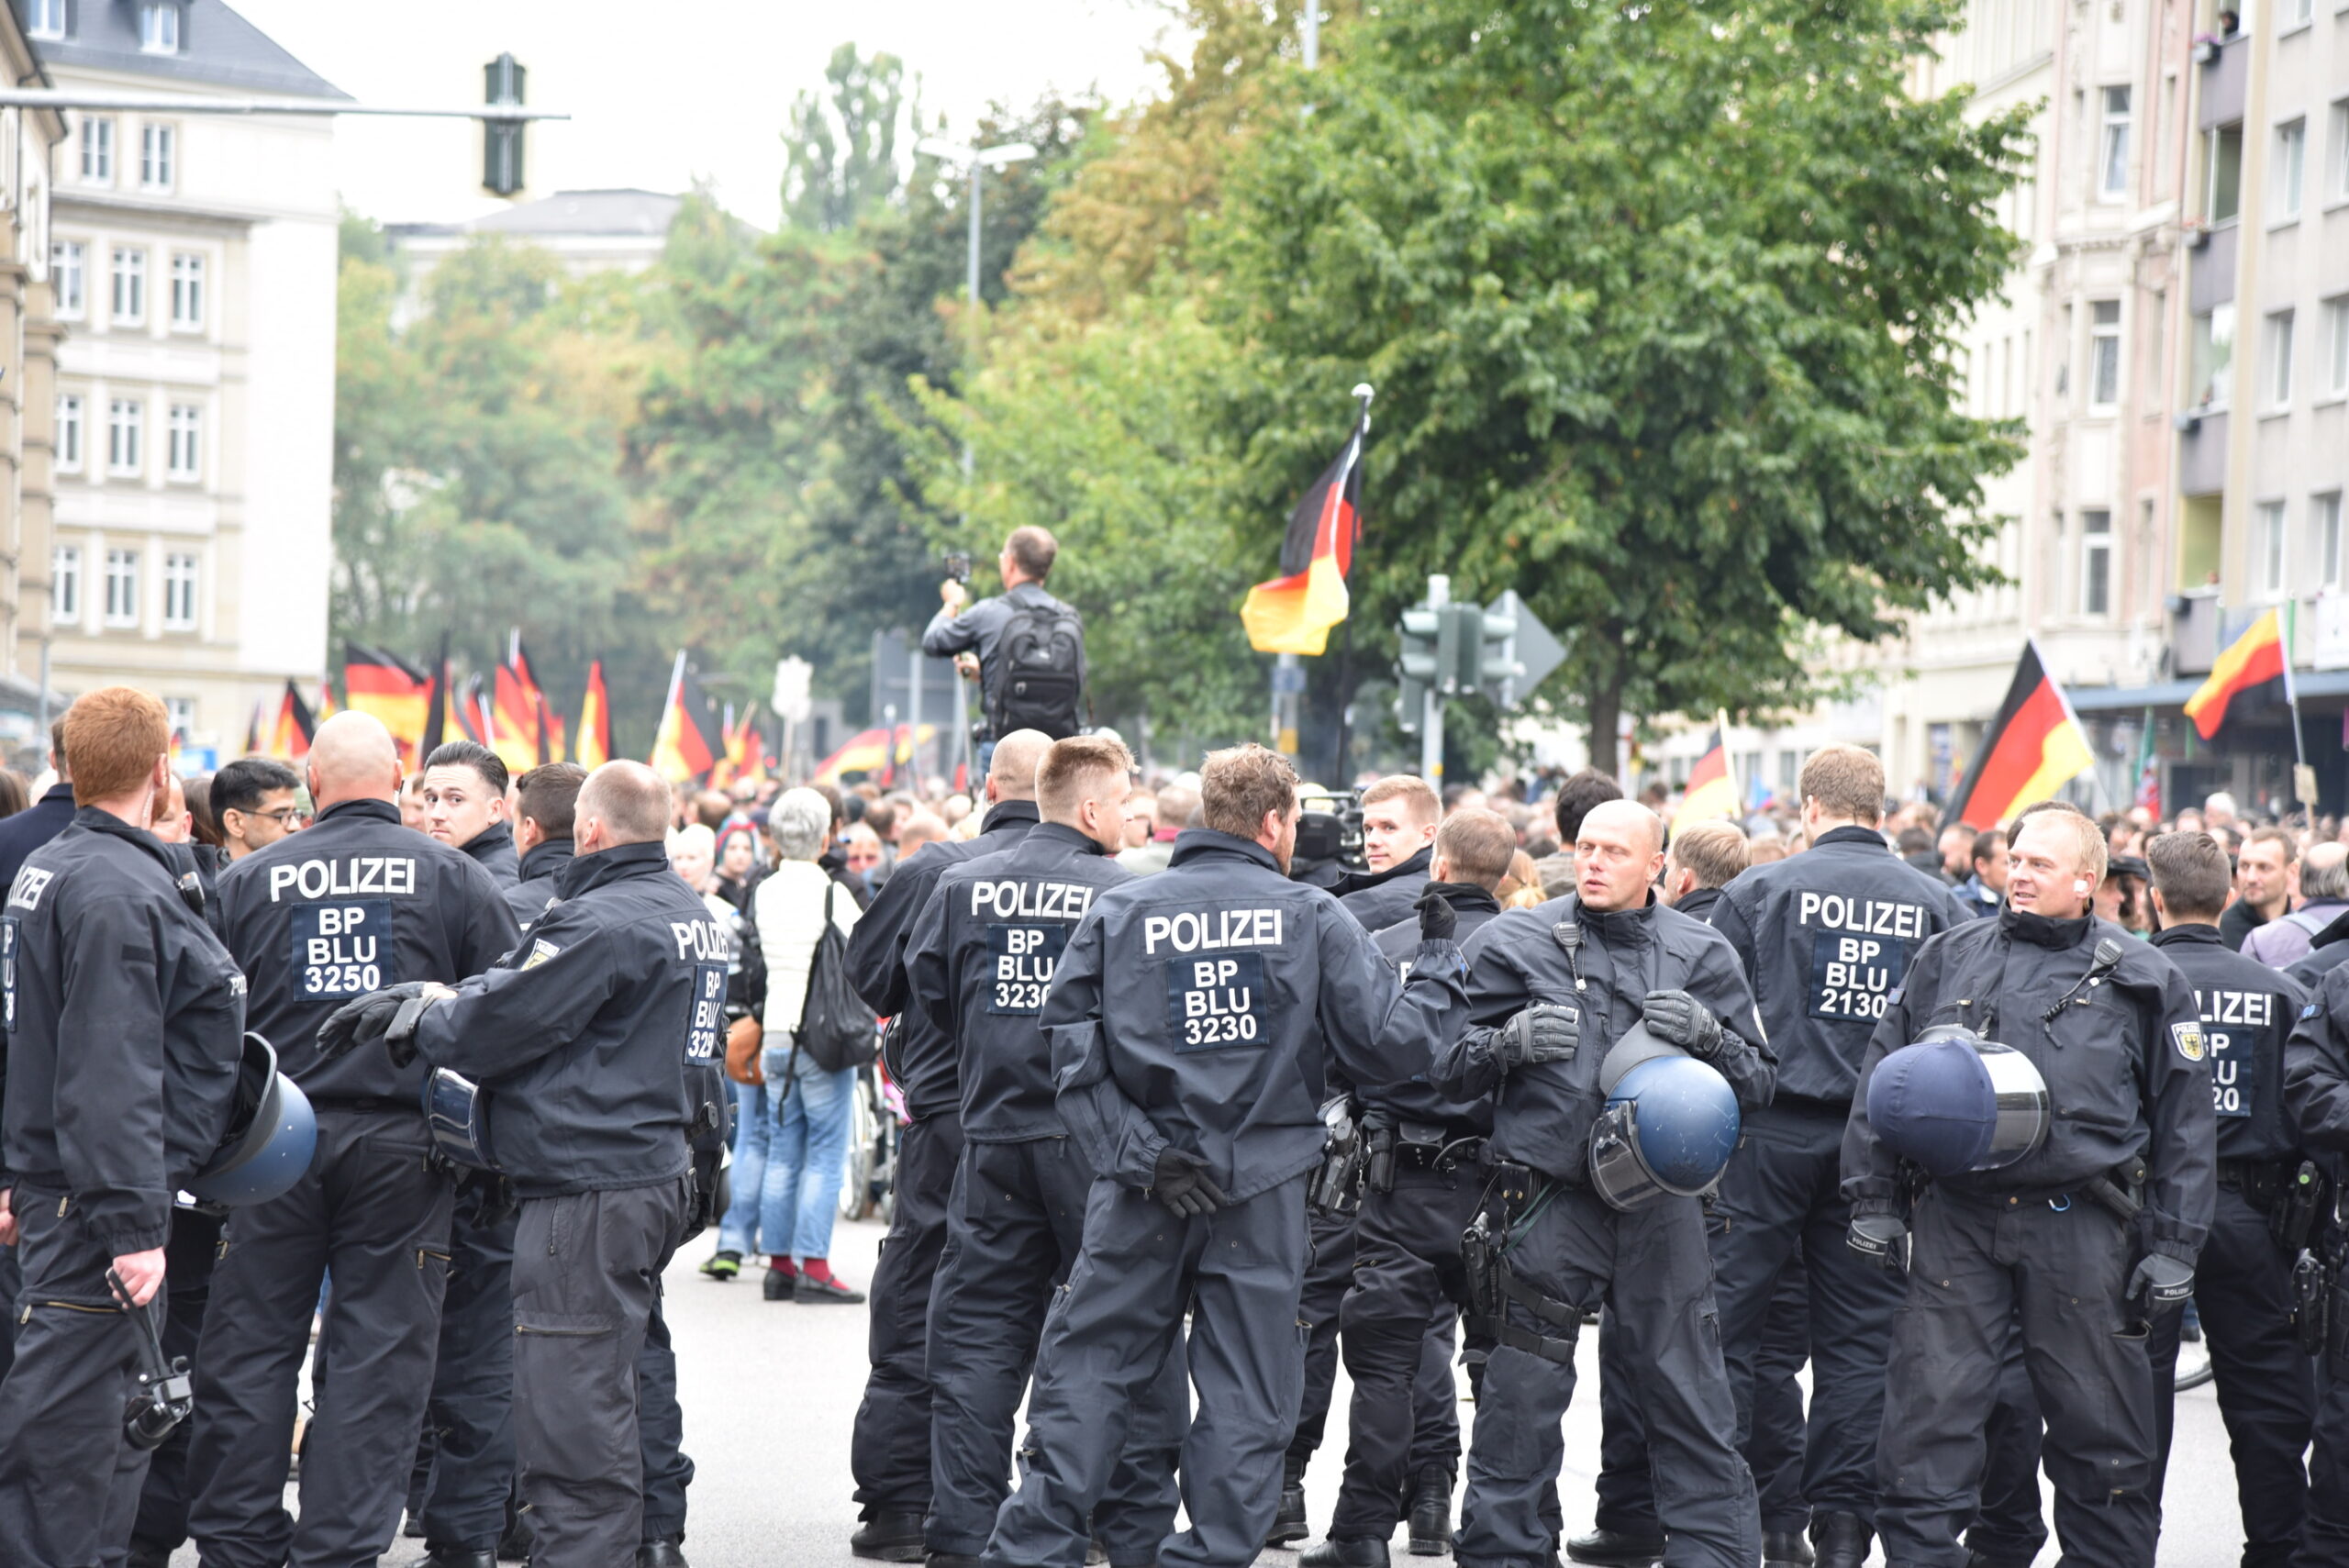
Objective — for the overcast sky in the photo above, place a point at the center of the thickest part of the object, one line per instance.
(662, 93)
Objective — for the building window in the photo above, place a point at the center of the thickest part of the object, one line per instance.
(179, 593)
(2277, 358)
(2267, 550)
(2324, 527)
(2336, 184)
(157, 144)
(2291, 157)
(2336, 347)
(159, 26)
(125, 417)
(2296, 14)
(2214, 348)
(69, 434)
(2222, 195)
(187, 429)
(122, 587)
(187, 291)
(2112, 160)
(181, 711)
(45, 19)
(2096, 564)
(65, 585)
(65, 270)
(129, 285)
(97, 151)
(2104, 354)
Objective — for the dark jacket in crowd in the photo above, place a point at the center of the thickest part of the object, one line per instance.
(1543, 1112)
(1194, 1007)
(2238, 921)
(30, 829)
(2328, 948)
(492, 848)
(2248, 1011)
(350, 905)
(1415, 1099)
(1824, 937)
(2123, 1058)
(533, 892)
(125, 1022)
(981, 957)
(601, 1038)
(1381, 899)
(919, 1057)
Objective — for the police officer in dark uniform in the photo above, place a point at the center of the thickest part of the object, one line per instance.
(2316, 1098)
(1189, 1016)
(597, 1048)
(1421, 1179)
(2079, 1243)
(462, 1480)
(544, 799)
(126, 1027)
(889, 1451)
(979, 962)
(1399, 813)
(1552, 990)
(1824, 937)
(354, 902)
(2243, 1280)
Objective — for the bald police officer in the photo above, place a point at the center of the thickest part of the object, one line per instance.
(353, 904)
(596, 1046)
(2076, 1245)
(126, 1025)
(1189, 1014)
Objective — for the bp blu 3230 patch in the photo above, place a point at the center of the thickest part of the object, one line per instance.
(1215, 1004)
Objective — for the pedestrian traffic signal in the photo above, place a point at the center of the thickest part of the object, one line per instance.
(501, 139)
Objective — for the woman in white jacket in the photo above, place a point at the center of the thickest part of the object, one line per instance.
(798, 1195)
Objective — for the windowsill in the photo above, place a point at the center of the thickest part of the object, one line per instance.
(2329, 400)
(179, 331)
(2276, 223)
(147, 190)
(2101, 411)
(2291, 27)
(184, 481)
(2279, 411)
(131, 474)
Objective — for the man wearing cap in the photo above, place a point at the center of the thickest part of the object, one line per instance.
(2078, 1243)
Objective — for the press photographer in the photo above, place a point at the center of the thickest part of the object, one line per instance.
(1030, 645)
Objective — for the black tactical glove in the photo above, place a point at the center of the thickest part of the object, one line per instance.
(2163, 1281)
(1684, 1021)
(1438, 921)
(1180, 1182)
(1543, 1032)
(388, 1015)
(1877, 1237)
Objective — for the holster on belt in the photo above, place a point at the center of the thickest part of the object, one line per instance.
(2313, 1286)
(2299, 1207)
(1337, 1187)
(2119, 1189)
(1493, 1285)
(1379, 1135)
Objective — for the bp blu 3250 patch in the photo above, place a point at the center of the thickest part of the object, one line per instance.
(1218, 1002)
(344, 949)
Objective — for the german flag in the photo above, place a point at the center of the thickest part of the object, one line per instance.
(594, 739)
(473, 710)
(1711, 794)
(394, 690)
(289, 732)
(1294, 612)
(519, 709)
(866, 751)
(688, 744)
(742, 759)
(2253, 659)
(2032, 749)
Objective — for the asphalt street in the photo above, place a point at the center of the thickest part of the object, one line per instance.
(770, 1391)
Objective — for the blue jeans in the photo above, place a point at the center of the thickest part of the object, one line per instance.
(800, 1193)
(737, 1233)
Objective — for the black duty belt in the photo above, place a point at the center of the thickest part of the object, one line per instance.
(1446, 1157)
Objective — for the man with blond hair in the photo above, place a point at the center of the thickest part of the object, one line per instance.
(1399, 813)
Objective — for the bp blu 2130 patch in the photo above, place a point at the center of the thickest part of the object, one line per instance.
(1215, 1004)
(706, 1033)
(1856, 976)
(1020, 960)
(343, 948)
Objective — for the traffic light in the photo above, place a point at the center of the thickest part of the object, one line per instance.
(504, 82)
(1416, 668)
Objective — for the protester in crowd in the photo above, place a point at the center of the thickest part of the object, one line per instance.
(738, 864)
(412, 801)
(1956, 847)
(862, 846)
(795, 1201)
(1522, 888)
(2324, 895)
(253, 799)
(1983, 891)
(1171, 809)
(16, 792)
(1141, 812)
(921, 828)
(834, 860)
(2267, 873)
(203, 827)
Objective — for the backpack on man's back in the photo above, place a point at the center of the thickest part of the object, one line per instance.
(1039, 683)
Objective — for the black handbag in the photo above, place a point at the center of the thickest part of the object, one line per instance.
(836, 1028)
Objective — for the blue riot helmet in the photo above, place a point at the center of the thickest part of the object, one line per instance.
(272, 1135)
(1954, 1102)
(1670, 1125)
(457, 1113)
(1633, 1046)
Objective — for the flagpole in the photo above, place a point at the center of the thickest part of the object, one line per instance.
(2291, 688)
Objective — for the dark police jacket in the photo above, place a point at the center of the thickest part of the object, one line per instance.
(919, 1058)
(30, 829)
(534, 893)
(350, 905)
(1824, 937)
(2248, 1011)
(981, 959)
(1194, 1008)
(601, 1035)
(2316, 1070)
(125, 1022)
(1544, 1112)
(1381, 900)
(2124, 1061)
(492, 848)
(1699, 903)
(1416, 1099)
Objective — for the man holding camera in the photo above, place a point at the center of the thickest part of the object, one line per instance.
(1028, 646)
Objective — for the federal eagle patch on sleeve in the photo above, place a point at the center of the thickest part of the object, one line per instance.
(2189, 1040)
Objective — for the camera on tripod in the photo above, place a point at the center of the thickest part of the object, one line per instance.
(1329, 831)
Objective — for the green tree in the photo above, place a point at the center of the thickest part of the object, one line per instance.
(1659, 301)
(840, 150)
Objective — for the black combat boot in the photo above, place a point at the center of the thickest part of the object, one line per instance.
(1430, 1512)
(1289, 1523)
(892, 1535)
(1785, 1548)
(1360, 1552)
(1841, 1538)
(1616, 1549)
